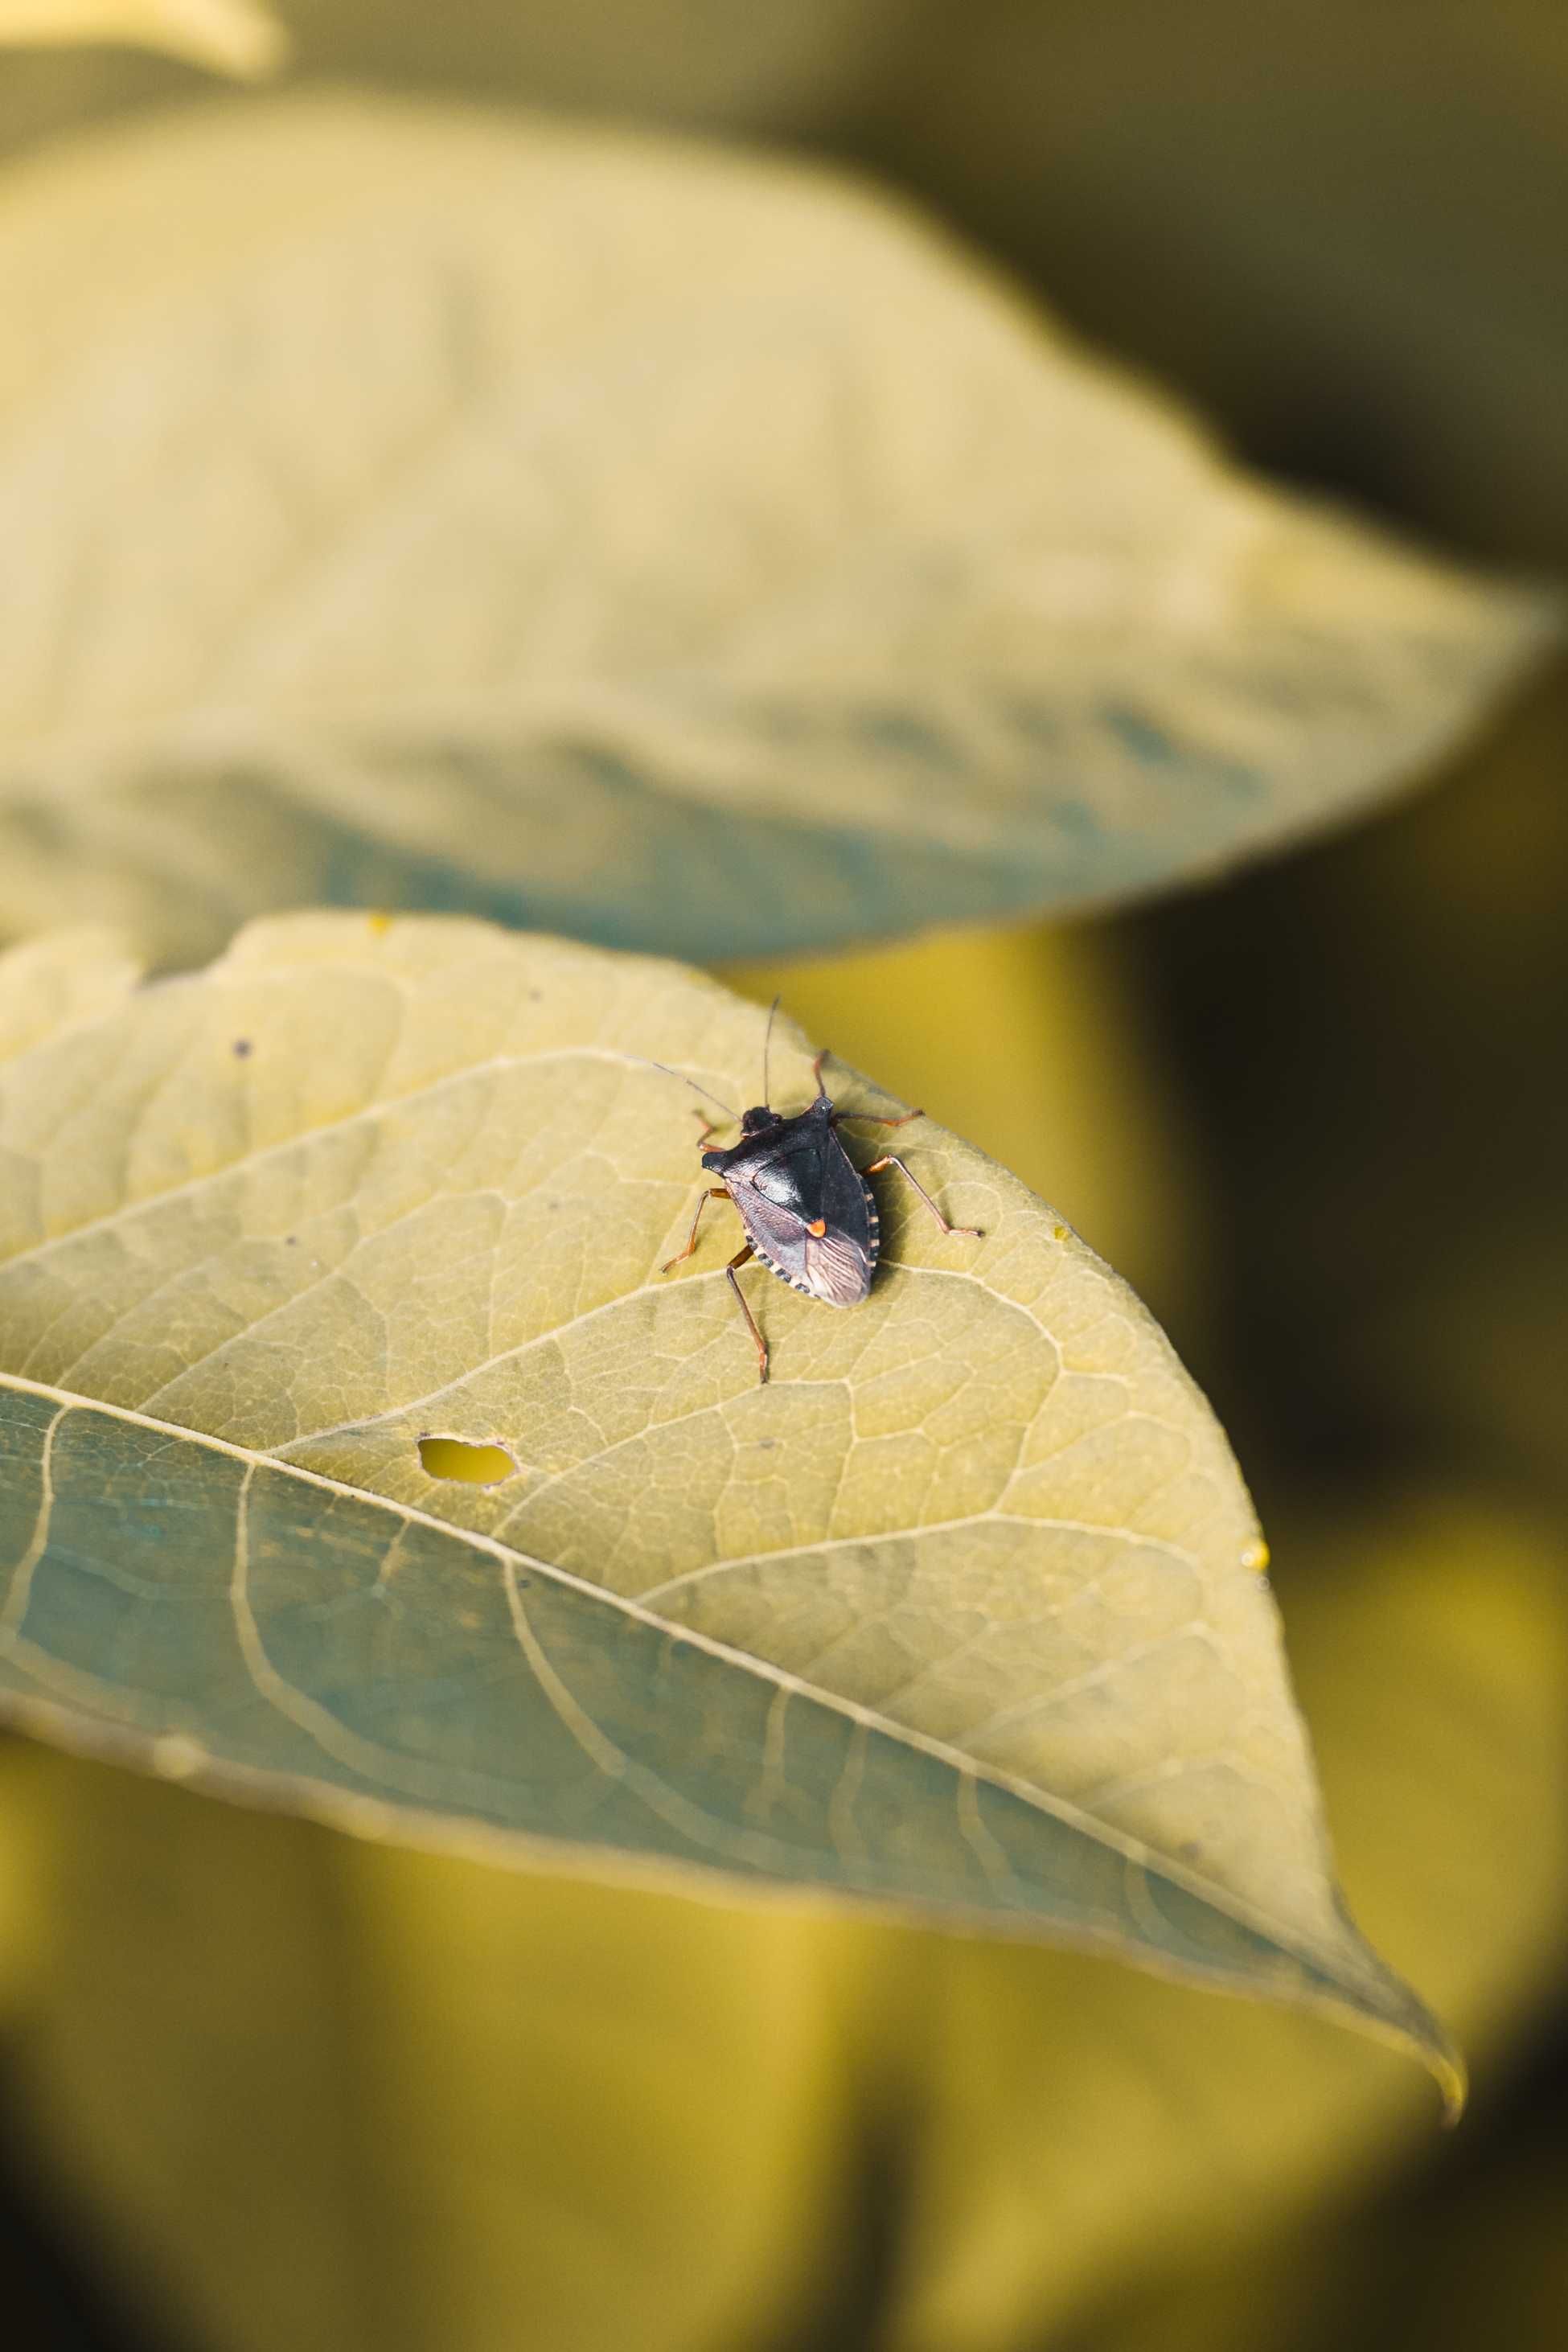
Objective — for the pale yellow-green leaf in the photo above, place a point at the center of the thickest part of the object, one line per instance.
(678, 549)
(232, 36)
(64, 977)
(960, 1613)
(1094, 2139)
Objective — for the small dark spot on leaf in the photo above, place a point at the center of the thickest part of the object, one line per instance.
(289, 1240)
(1191, 1850)
(242, 1047)
(473, 1465)
(534, 995)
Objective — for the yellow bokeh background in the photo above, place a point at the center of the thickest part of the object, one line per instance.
(267, 2087)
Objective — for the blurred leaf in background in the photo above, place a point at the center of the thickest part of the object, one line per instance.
(232, 36)
(400, 507)
(1336, 227)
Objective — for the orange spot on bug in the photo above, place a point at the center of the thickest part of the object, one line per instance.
(818, 1227)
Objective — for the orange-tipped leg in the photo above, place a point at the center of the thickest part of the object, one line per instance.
(875, 1117)
(715, 1193)
(891, 1160)
(762, 1346)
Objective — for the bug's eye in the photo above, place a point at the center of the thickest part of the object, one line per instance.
(780, 1181)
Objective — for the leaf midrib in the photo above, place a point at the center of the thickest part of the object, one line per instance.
(1131, 1849)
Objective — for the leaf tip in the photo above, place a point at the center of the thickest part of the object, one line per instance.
(1412, 2028)
(1447, 2061)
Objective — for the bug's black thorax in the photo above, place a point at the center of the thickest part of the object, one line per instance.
(795, 1143)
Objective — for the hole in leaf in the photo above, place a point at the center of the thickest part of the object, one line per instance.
(477, 1465)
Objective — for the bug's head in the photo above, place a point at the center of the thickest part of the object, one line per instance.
(758, 1119)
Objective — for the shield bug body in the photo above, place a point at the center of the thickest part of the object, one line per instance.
(809, 1212)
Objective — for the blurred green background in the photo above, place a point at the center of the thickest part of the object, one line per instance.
(1316, 1115)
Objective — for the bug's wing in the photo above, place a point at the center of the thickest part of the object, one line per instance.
(837, 1268)
(776, 1232)
(839, 1265)
(833, 1265)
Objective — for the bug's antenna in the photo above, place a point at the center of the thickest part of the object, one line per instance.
(767, 1041)
(706, 1091)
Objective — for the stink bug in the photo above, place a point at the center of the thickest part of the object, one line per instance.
(807, 1211)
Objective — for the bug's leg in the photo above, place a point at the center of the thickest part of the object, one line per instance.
(710, 1127)
(875, 1118)
(740, 1259)
(715, 1193)
(891, 1160)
